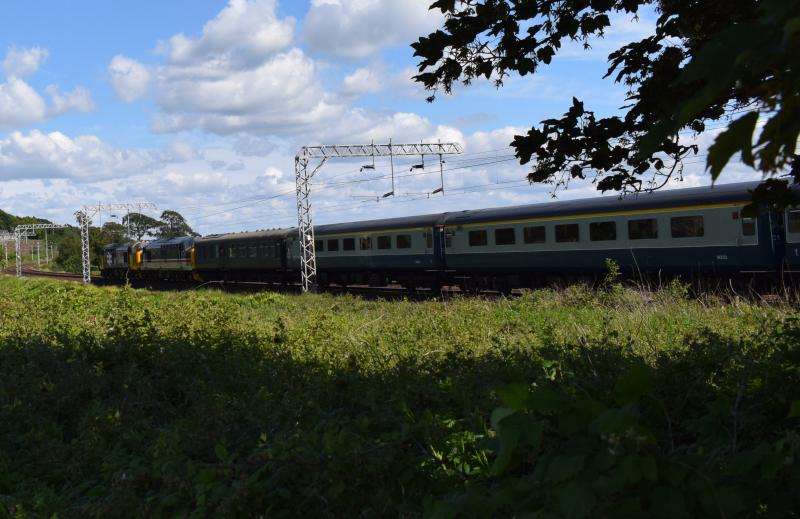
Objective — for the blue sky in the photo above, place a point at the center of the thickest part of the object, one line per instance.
(199, 107)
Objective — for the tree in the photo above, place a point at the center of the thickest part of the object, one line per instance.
(140, 225)
(708, 60)
(173, 225)
(112, 232)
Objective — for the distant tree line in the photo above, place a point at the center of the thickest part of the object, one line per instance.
(67, 241)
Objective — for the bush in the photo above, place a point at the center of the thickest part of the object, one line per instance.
(117, 402)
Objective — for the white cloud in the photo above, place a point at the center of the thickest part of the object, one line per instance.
(39, 155)
(244, 33)
(359, 28)
(20, 104)
(362, 81)
(22, 62)
(79, 99)
(129, 78)
(281, 95)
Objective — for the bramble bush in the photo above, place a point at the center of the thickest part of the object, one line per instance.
(122, 403)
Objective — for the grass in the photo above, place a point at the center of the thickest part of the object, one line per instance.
(116, 402)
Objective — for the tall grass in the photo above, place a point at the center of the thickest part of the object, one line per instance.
(117, 402)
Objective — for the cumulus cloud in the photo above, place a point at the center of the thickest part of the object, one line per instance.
(280, 95)
(20, 104)
(22, 62)
(239, 76)
(79, 99)
(359, 28)
(244, 33)
(39, 155)
(361, 82)
(129, 78)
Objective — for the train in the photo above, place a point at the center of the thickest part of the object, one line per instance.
(679, 232)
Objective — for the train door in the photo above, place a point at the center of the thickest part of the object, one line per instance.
(777, 238)
(438, 247)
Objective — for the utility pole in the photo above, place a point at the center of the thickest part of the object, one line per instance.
(6, 237)
(24, 231)
(85, 216)
(304, 174)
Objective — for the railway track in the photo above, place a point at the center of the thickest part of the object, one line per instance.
(28, 271)
(365, 291)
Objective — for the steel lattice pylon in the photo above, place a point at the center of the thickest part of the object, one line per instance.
(28, 230)
(305, 223)
(6, 237)
(85, 217)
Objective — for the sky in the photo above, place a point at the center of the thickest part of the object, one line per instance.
(200, 106)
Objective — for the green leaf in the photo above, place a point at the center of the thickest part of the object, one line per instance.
(738, 137)
(545, 401)
(634, 384)
(794, 409)
(649, 468)
(221, 452)
(514, 396)
(667, 502)
(508, 439)
(575, 499)
(564, 467)
(631, 469)
(498, 415)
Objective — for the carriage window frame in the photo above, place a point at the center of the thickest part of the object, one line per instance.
(478, 238)
(603, 231)
(635, 232)
(365, 243)
(403, 241)
(568, 233)
(333, 245)
(384, 242)
(749, 226)
(793, 224)
(531, 235)
(687, 226)
(349, 244)
(319, 245)
(505, 236)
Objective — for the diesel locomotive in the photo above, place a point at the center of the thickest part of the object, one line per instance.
(694, 231)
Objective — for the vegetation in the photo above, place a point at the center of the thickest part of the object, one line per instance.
(575, 403)
(68, 241)
(733, 61)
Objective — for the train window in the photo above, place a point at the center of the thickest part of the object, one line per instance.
(477, 238)
(403, 241)
(253, 250)
(748, 226)
(221, 252)
(687, 227)
(794, 220)
(429, 240)
(603, 231)
(365, 243)
(384, 242)
(534, 234)
(568, 232)
(448, 239)
(333, 245)
(505, 236)
(643, 229)
(349, 244)
(319, 245)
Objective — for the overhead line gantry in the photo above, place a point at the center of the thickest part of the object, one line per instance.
(304, 173)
